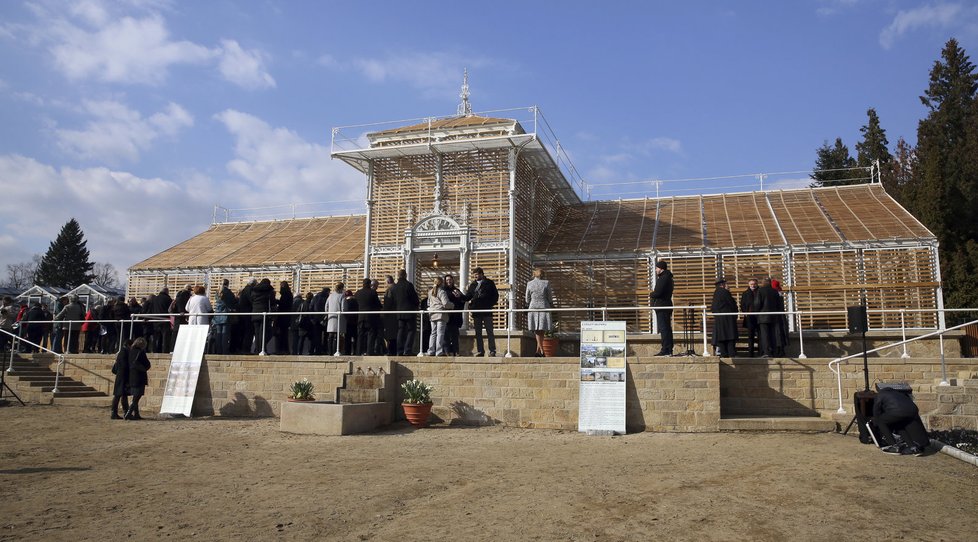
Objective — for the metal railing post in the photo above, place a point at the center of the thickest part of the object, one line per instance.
(509, 333)
(57, 373)
(944, 381)
(263, 326)
(132, 326)
(13, 348)
(338, 316)
(903, 330)
(706, 348)
(604, 314)
(801, 340)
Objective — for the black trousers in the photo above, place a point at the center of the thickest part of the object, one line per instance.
(726, 349)
(908, 425)
(366, 339)
(663, 320)
(481, 320)
(751, 328)
(405, 336)
(451, 339)
(768, 338)
(115, 404)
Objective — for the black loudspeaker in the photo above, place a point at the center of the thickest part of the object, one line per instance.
(857, 319)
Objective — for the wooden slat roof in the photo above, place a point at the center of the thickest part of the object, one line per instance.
(442, 124)
(335, 239)
(725, 221)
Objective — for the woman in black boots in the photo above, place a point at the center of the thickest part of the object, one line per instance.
(138, 366)
(120, 390)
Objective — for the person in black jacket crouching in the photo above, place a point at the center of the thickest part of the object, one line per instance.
(895, 411)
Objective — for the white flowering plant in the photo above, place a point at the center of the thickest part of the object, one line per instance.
(417, 392)
(301, 390)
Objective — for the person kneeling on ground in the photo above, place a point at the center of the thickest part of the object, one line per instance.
(894, 411)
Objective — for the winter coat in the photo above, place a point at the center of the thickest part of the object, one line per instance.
(244, 298)
(749, 303)
(71, 315)
(390, 320)
(768, 300)
(121, 371)
(724, 327)
(183, 297)
(197, 306)
(367, 300)
(482, 296)
(661, 295)
(437, 302)
(161, 304)
(138, 366)
(405, 299)
(262, 299)
(458, 301)
(334, 305)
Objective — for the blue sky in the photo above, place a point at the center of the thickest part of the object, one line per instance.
(137, 117)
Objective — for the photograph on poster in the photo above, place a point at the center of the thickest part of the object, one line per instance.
(600, 362)
(592, 336)
(587, 375)
(587, 362)
(617, 363)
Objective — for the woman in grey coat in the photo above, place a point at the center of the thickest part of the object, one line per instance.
(538, 296)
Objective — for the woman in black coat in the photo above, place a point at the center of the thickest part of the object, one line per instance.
(138, 367)
(724, 327)
(282, 322)
(120, 390)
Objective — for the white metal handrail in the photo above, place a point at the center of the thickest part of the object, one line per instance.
(14, 347)
(835, 367)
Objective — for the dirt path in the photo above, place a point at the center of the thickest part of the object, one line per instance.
(73, 474)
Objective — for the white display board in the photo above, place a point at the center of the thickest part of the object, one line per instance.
(602, 390)
(181, 382)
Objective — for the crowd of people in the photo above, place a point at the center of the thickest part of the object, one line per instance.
(259, 319)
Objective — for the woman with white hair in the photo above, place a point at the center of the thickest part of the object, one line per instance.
(539, 296)
(199, 307)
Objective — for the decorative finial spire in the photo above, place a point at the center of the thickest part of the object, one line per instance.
(465, 108)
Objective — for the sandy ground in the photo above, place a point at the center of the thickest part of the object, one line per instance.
(70, 473)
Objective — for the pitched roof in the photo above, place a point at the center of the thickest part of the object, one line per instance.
(334, 239)
(861, 213)
(444, 124)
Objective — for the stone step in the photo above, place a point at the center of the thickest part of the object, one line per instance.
(62, 385)
(36, 378)
(780, 423)
(90, 392)
(99, 401)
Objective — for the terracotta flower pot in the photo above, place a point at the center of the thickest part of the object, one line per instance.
(417, 414)
(550, 345)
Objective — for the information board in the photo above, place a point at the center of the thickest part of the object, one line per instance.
(181, 382)
(602, 390)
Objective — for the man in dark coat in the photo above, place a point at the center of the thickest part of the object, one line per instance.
(262, 301)
(748, 304)
(457, 299)
(120, 389)
(405, 299)
(367, 324)
(724, 326)
(894, 411)
(180, 310)
(482, 295)
(318, 329)
(161, 323)
(139, 365)
(282, 322)
(768, 300)
(246, 331)
(661, 296)
(390, 320)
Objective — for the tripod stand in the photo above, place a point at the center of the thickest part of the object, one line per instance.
(688, 332)
(863, 400)
(3, 379)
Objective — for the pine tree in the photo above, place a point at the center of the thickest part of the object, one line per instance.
(833, 166)
(66, 262)
(899, 174)
(873, 147)
(942, 190)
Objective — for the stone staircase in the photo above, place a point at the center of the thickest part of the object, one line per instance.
(35, 383)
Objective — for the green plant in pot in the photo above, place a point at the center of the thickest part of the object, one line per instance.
(301, 390)
(417, 402)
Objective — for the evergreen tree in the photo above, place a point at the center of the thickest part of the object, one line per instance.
(66, 262)
(942, 189)
(873, 147)
(833, 166)
(899, 174)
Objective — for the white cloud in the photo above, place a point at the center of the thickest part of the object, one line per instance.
(118, 133)
(130, 43)
(833, 7)
(244, 68)
(663, 144)
(936, 15)
(434, 74)
(125, 218)
(276, 166)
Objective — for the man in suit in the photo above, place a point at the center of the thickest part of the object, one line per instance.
(748, 304)
(367, 324)
(767, 301)
(661, 296)
(405, 298)
(482, 296)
